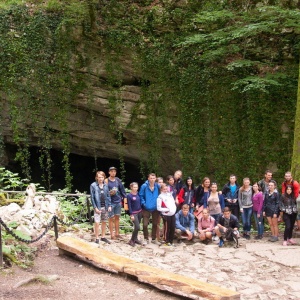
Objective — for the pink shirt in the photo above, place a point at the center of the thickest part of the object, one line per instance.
(206, 224)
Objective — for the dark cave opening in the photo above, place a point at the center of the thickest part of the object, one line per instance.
(82, 168)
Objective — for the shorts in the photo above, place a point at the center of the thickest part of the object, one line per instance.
(298, 217)
(115, 210)
(103, 216)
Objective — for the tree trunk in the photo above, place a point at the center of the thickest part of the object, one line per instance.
(296, 147)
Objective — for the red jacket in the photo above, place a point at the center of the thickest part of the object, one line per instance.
(295, 187)
(182, 198)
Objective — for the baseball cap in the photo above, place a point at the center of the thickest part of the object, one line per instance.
(112, 168)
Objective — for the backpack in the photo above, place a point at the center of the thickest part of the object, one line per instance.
(230, 235)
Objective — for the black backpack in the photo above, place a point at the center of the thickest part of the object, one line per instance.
(230, 235)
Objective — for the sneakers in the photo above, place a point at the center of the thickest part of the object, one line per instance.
(215, 238)
(284, 243)
(274, 239)
(156, 242)
(97, 241)
(291, 241)
(131, 243)
(258, 237)
(145, 242)
(170, 245)
(105, 240)
(138, 242)
(247, 236)
(271, 238)
(221, 243)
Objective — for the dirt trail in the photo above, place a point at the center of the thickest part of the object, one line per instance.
(76, 280)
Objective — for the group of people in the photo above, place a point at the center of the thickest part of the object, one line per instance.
(188, 211)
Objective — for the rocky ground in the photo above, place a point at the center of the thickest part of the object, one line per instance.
(257, 270)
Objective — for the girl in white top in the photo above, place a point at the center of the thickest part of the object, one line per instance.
(166, 205)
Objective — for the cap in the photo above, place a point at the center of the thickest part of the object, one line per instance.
(112, 168)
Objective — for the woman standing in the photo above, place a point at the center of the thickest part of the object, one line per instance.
(101, 201)
(288, 208)
(166, 205)
(135, 212)
(245, 202)
(258, 200)
(187, 194)
(271, 209)
(202, 192)
(214, 202)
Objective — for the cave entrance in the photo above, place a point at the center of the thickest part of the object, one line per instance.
(83, 169)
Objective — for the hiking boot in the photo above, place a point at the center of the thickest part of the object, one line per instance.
(131, 243)
(97, 241)
(156, 242)
(105, 240)
(138, 242)
(247, 237)
(221, 243)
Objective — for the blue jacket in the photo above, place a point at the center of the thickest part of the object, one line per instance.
(95, 195)
(148, 197)
(183, 222)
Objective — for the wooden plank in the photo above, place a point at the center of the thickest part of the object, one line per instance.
(161, 279)
(105, 259)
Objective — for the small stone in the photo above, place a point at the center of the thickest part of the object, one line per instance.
(141, 291)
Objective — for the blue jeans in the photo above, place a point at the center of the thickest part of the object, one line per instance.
(246, 218)
(259, 223)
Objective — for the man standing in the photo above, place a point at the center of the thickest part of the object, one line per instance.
(264, 183)
(230, 193)
(178, 184)
(290, 181)
(185, 223)
(117, 194)
(149, 193)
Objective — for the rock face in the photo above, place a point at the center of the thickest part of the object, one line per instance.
(90, 133)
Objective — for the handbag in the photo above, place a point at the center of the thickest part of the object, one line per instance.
(198, 213)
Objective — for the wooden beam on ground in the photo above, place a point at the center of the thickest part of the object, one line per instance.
(161, 279)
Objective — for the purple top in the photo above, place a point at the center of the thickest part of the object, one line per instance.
(258, 200)
(134, 203)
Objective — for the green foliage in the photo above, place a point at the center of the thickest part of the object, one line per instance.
(17, 253)
(210, 74)
(72, 207)
(11, 181)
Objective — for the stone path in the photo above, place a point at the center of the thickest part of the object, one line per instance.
(257, 270)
